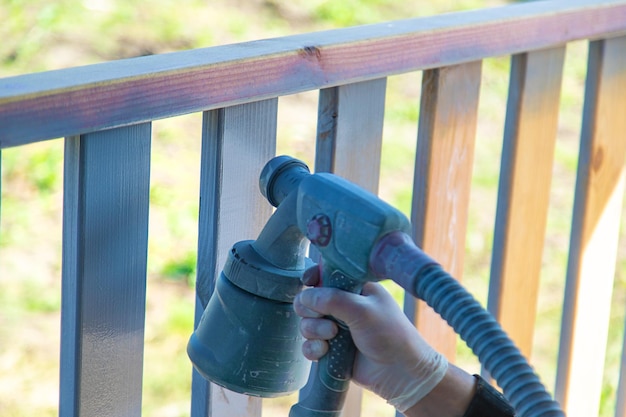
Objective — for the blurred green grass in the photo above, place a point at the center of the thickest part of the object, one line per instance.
(39, 35)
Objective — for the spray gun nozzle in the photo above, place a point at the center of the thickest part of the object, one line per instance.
(280, 176)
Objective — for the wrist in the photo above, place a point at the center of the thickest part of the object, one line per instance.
(449, 398)
(488, 402)
(419, 380)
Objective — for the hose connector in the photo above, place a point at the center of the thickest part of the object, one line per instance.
(395, 256)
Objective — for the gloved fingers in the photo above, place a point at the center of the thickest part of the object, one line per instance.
(342, 305)
(314, 349)
(318, 328)
(303, 311)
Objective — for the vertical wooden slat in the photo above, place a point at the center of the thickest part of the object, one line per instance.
(524, 191)
(105, 231)
(443, 170)
(349, 142)
(236, 143)
(620, 408)
(595, 229)
(349, 131)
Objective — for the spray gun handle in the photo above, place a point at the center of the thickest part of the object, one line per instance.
(329, 381)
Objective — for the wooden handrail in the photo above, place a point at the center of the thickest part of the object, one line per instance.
(101, 96)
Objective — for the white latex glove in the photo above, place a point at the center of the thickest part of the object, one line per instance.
(393, 360)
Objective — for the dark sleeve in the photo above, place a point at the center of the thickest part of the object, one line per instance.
(488, 402)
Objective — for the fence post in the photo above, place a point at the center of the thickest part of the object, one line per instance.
(105, 238)
(236, 143)
(524, 191)
(350, 119)
(595, 231)
(443, 171)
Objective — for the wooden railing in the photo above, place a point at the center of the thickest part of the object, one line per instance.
(105, 111)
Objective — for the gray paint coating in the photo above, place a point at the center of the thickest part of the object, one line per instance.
(105, 236)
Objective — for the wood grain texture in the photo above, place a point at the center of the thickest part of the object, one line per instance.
(349, 142)
(105, 243)
(350, 119)
(595, 231)
(524, 191)
(85, 99)
(236, 143)
(443, 171)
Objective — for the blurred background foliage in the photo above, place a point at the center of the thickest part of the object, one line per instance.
(39, 35)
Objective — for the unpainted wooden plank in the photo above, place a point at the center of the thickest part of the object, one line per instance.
(105, 243)
(350, 121)
(236, 143)
(595, 230)
(443, 171)
(149, 88)
(349, 143)
(524, 191)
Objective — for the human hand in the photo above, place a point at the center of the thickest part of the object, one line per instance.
(393, 360)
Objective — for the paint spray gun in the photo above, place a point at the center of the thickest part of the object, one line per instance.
(248, 338)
